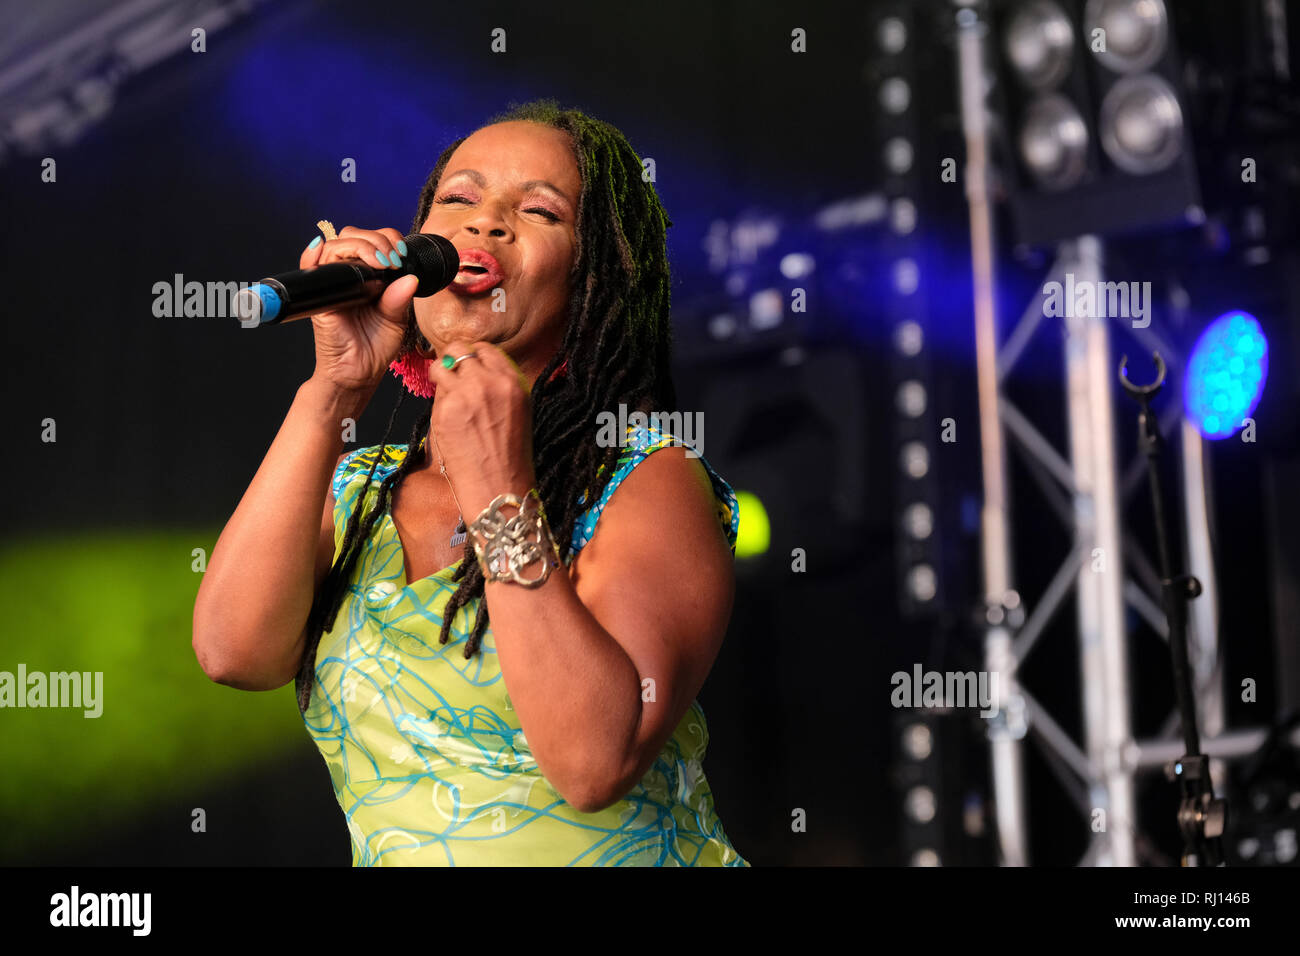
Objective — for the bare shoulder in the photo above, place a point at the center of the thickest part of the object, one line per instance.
(660, 580)
(665, 506)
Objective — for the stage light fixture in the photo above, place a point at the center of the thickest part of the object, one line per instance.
(1136, 32)
(910, 398)
(1142, 124)
(918, 741)
(903, 135)
(891, 34)
(938, 787)
(898, 155)
(902, 216)
(922, 583)
(797, 265)
(907, 276)
(722, 326)
(1039, 43)
(1226, 374)
(908, 338)
(915, 459)
(920, 804)
(754, 534)
(1054, 142)
(766, 309)
(918, 520)
(1090, 93)
(895, 95)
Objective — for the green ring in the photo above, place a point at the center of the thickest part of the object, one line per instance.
(448, 361)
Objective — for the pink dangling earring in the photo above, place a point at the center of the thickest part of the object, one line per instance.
(412, 367)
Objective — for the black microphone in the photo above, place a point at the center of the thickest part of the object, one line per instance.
(304, 292)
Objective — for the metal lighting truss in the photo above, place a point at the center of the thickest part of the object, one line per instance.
(1086, 493)
(1089, 497)
(61, 64)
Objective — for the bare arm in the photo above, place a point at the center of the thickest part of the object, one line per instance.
(601, 662)
(250, 616)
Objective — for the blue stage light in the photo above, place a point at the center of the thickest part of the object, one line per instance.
(1226, 374)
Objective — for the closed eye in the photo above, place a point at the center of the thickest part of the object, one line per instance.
(537, 209)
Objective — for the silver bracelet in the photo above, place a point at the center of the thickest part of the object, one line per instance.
(506, 545)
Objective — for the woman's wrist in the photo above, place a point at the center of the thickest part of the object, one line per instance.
(513, 540)
(485, 488)
(335, 403)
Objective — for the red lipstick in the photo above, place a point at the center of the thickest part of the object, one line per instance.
(479, 271)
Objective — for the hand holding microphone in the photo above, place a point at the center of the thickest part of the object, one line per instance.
(357, 289)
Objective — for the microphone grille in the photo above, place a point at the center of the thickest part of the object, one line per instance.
(433, 259)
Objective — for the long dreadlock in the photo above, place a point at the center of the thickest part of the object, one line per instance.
(617, 346)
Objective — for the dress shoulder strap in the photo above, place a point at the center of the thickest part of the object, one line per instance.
(640, 443)
(350, 475)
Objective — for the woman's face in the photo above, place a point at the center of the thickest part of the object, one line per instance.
(510, 190)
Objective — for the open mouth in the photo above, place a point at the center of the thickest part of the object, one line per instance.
(479, 271)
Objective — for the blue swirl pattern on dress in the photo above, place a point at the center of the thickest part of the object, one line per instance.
(429, 761)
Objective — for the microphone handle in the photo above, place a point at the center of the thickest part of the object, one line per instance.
(433, 259)
(337, 285)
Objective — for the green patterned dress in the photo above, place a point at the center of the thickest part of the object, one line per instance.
(427, 757)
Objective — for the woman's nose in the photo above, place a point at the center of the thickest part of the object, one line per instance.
(488, 220)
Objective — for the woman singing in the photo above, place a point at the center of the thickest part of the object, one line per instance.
(565, 730)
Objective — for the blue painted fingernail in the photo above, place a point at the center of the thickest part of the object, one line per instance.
(380, 257)
(401, 246)
(397, 260)
(314, 243)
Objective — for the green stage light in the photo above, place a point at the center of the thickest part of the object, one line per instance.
(121, 605)
(755, 531)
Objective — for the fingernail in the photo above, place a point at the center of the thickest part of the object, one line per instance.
(314, 243)
(397, 260)
(401, 246)
(379, 257)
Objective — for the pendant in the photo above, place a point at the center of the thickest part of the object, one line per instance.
(458, 536)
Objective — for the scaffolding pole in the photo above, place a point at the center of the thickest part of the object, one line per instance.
(1099, 586)
(1006, 729)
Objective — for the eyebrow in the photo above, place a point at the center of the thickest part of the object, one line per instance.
(478, 179)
